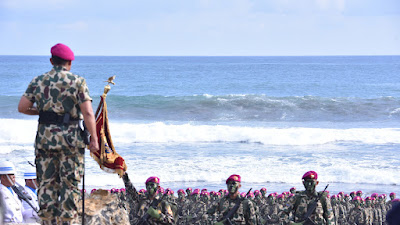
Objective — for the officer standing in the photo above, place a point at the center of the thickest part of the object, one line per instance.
(61, 99)
(10, 201)
(31, 208)
(323, 213)
(245, 214)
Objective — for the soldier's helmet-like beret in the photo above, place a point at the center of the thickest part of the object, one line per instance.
(263, 189)
(189, 188)
(310, 175)
(293, 188)
(196, 191)
(62, 51)
(233, 177)
(153, 179)
(368, 198)
(357, 198)
(181, 191)
(392, 194)
(359, 192)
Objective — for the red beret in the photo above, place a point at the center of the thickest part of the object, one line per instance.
(310, 175)
(233, 177)
(153, 179)
(62, 51)
(196, 191)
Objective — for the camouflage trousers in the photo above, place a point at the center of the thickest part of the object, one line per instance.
(58, 174)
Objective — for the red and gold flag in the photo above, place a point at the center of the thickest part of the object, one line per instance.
(107, 158)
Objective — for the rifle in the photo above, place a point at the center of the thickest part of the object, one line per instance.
(22, 196)
(307, 220)
(227, 218)
(145, 217)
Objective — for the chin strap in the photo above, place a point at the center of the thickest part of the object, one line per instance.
(34, 184)
(9, 180)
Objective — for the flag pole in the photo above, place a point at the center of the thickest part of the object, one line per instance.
(107, 88)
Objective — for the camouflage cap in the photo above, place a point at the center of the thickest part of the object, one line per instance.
(153, 179)
(233, 177)
(62, 51)
(310, 175)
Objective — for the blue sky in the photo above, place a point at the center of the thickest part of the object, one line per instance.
(201, 27)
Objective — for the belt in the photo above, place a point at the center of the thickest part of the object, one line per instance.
(54, 118)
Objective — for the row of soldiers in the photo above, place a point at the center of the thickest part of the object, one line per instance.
(157, 206)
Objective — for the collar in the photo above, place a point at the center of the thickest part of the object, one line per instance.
(58, 68)
(34, 190)
(9, 188)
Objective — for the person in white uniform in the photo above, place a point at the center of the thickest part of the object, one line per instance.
(10, 201)
(30, 209)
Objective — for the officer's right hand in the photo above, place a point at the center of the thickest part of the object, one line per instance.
(94, 145)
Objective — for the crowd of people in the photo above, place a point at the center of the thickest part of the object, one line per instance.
(274, 208)
(195, 206)
(202, 206)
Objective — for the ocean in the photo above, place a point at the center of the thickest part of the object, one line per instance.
(193, 121)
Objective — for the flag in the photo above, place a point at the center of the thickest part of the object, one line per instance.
(107, 158)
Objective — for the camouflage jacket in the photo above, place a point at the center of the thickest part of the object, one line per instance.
(357, 216)
(323, 213)
(198, 213)
(139, 204)
(270, 214)
(244, 215)
(58, 91)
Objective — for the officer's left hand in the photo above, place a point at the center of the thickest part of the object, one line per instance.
(153, 213)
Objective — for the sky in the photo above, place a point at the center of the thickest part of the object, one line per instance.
(201, 27)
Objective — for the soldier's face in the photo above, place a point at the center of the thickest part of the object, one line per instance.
(392, 197)
(233, 186)
(196, 197)
(368, 203)
(181, 195)
(310, 185)
(8, 182)
(151, 188)
(357, 203)
(188, 192)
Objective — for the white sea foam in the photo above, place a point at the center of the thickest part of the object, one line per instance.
(209, 153)
(17, 134)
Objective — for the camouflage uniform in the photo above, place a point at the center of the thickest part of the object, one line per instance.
(323, 213)
(197, 213)
(183, 210)
(377, 215)
(59, 165)
(270, 214)
(244, 215)
(139, 204)
(357, 216)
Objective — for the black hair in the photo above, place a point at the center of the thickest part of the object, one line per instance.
(59, 61)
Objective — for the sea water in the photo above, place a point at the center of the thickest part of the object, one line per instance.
(193, 121)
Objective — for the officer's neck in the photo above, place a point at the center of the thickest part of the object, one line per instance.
(234, 195)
